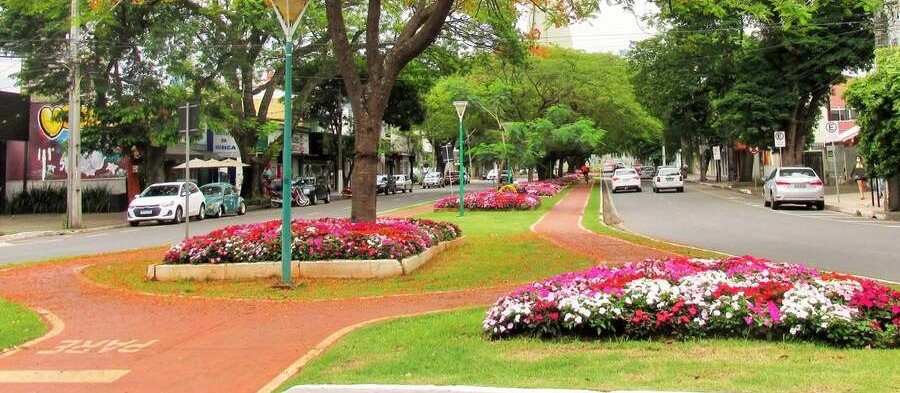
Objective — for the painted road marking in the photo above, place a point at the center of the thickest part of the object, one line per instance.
(97, 235)
(129, 230)
(61, 376)
(101, 346)
(6, 244)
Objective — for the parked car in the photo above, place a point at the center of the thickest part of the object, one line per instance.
(453, 178)
(164, 202)
(433, 179)
(222, 199)
(506, 176)
(647, 172)
(668, 179)
(610, 167)
(314, 188)
(385, 185)
(626, 179)
(794, 185)
(403, 183)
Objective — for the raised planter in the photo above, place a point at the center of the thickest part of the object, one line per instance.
(347, 268)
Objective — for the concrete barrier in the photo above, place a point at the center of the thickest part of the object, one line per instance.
(344, 268)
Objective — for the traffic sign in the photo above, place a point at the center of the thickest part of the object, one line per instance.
(717, 153)
(780, 139)
(832, 133)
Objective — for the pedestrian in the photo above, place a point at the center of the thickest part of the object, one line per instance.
(860, 176)
(585, 170)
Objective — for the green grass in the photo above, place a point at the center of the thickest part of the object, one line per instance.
(499, 250)
(449, 349)
(18, 325)
(593, 222)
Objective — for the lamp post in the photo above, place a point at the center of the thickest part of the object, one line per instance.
(502, 137)
(289, 13)
(461, 110)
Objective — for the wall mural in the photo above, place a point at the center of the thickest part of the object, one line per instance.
(47, 157)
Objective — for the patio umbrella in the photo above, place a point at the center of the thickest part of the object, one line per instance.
(231, 162)
(196, 163)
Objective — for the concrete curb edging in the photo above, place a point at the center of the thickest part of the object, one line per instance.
(56, 232)
(347, 268)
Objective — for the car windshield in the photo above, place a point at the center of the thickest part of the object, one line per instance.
(797, 172)
(305, 180)
(161, 190)
(433, 175)
(625, 172)
(211, 190)
(669, 172)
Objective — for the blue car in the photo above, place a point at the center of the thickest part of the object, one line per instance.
(222, 199)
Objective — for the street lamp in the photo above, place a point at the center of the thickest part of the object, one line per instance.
(503, 138)
(461, 110)
(289, 13)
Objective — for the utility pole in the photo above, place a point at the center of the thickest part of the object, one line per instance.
(73, 167)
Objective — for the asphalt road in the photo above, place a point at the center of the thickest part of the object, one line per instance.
(119, 239)
(738, 224)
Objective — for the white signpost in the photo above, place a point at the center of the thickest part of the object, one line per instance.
(780, 141)
(833, 135)
(717, 153)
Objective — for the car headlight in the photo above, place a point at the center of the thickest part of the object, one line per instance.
(167, 204)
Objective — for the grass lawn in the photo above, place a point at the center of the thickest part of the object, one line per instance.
(499, 250)
(18, 324)
(591, 220)
(449, 349)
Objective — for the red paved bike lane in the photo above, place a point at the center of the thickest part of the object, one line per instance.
(562, 226)
(145, 343)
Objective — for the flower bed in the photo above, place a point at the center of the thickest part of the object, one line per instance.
(314, 240)
(737, 297)
(491, 200)
(543, 188)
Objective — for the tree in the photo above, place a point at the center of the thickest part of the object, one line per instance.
(876, 97)
(386, 55)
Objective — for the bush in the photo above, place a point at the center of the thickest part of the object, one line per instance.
(314, 240)
(45, 200)
(491, 200)
(688, 298)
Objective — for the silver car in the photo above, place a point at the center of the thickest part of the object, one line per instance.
(794, 185)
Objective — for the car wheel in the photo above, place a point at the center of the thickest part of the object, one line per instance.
(313, 198)
(820, 205)
(773, 204)
(639, 189)
(178, 216)
(242, 209)
(134, 223)
(656, 190)
(328, 197)
(221, 212)
(202, 214)
(680, 189)
(766, 201)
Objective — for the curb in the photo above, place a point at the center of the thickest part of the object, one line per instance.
(58, 232)
(442, 389)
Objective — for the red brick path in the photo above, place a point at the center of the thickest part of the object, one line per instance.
(562, 227)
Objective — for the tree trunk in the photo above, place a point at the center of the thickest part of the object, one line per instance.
(368, 132)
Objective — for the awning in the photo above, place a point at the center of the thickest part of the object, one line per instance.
(849, 135)
(196, 163)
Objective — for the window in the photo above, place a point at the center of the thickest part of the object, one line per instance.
(229, 191)
(841, 114)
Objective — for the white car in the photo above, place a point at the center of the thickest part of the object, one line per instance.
(403, 183)
(668, 179)
(626, 179)
(794, 185)
(433, 179)
(491, 175)
(164, 202)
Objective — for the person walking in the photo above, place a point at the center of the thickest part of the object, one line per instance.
(585, 170)
(860, 176)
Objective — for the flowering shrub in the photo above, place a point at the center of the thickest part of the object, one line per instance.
(543, 188)
(491, 200)
(737, 297)
(314, 240)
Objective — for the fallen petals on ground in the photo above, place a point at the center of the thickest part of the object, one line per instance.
(492, 200)
(314, 240)
(688, 298)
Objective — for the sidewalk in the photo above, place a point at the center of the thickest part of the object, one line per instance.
(30, 225)
(848, 203)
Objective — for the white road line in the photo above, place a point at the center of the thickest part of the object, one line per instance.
(6, 244)
(97, 235)
(129, 230)
(61, 376)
